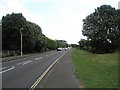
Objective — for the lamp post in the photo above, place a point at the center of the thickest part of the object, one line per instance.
(21, 40)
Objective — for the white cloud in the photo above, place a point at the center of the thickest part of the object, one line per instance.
(17, 6)
(68, 26)
(14, 6)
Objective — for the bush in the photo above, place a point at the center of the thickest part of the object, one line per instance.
(8, 53)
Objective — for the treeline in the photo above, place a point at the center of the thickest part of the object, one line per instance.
(62, 44)
(102, 29)
(33, 38)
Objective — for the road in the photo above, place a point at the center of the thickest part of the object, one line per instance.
(23, 72)
(62, 75)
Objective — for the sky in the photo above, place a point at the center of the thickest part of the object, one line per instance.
(58, 19)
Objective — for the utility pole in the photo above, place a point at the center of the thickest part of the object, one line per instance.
(21, 41)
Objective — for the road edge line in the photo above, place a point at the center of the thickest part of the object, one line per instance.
(44, 73)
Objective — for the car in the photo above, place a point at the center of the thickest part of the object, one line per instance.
(59, 49)
(65, 49)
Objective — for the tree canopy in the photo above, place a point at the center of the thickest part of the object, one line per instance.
(33, 38)
(102, 29)
(61, 44)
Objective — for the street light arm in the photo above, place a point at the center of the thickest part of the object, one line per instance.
(21, 30)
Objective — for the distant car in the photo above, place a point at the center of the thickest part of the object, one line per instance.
(66, 49)
(59, 49)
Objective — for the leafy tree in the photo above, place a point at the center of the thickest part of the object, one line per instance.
(84, 45)
(34, 33)
(33, 38)
(75, 46)
(41, 44)
(61, 44)
(51, 44)
(11, 25)
(101, 29)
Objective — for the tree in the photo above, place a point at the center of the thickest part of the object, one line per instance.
(33, 38)
(75, 46)
(41, 44)
(84, 45)
(11, 25)
(101, 29)
(51, 44)
(61, 44)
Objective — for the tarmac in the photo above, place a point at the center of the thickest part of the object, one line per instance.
(62, 75)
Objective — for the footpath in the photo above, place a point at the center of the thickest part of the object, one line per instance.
(62, 75)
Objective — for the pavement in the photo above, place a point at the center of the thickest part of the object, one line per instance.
(61, 75)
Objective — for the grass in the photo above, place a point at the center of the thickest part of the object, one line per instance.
(96, 70)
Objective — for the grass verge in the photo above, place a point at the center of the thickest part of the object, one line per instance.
(96, 70)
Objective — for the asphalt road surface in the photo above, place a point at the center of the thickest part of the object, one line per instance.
(24, 72)
(62, 75)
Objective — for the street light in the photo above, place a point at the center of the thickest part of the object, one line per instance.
(21, 40)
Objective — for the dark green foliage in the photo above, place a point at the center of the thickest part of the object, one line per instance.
(40, 44)
(51, 44)
(61, 44)
(84, 45)
(33, 38)
(75, 46)
(10, 31)
(101, 29)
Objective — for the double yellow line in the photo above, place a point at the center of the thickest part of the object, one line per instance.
(46, 71)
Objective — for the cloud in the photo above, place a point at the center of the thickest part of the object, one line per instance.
(67, 26)
(14, 6)
(18, 6)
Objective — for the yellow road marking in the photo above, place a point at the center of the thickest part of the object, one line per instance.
(46, 71)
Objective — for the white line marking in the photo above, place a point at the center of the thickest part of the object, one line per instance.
(38, 58)
(7, 70)
(21, 63)
(26, 62)
(46, 71)
(2, 68)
